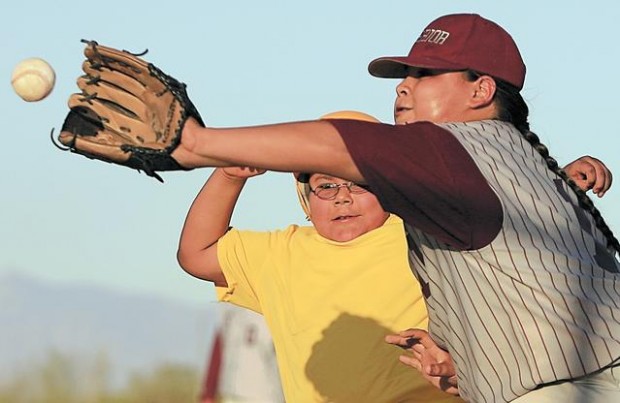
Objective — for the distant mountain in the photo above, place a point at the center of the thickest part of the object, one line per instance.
(133, 332)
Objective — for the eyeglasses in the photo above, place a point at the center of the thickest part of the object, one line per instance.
(329, 191)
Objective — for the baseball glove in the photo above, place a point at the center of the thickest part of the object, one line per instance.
(128, 112)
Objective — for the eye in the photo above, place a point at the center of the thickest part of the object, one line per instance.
(359, 188)
(418, 72)
(425, 73)
(323, 186)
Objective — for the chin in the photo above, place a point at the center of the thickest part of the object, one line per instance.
(346, 237)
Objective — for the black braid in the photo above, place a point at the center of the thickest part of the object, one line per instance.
(512, 108)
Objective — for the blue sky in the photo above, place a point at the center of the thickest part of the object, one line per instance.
(65, 218)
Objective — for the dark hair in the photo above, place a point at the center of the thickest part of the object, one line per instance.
(511, 107)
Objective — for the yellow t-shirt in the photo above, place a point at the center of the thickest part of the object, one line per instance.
(329, 306)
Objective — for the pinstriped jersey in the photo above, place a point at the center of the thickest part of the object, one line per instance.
(519, 285)
(540, 303)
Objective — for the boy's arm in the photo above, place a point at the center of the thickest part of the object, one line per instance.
(208, 219)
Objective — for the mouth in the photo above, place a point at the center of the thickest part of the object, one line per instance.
(401, 109)
(344, 218)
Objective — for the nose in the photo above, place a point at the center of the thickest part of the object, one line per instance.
(344, 195)
(404, 87)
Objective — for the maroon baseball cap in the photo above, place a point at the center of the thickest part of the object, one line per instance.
(459, 42)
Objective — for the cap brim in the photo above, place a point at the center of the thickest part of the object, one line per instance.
(397, 66)
(302, 195)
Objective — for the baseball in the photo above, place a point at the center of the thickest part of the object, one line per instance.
(33, 79)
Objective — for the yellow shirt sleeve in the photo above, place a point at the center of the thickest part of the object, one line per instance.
(242, 260)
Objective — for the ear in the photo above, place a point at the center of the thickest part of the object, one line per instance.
(483, 92)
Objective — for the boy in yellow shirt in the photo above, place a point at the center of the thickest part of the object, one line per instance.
(329, 292)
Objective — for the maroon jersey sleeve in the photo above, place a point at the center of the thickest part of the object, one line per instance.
(422, 173)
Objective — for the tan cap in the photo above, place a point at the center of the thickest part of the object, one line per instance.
(303, 188)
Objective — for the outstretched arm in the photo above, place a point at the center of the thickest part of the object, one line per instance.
(313, 146)
(208, 220)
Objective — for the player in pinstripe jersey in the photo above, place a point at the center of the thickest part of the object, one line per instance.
(518, 267)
